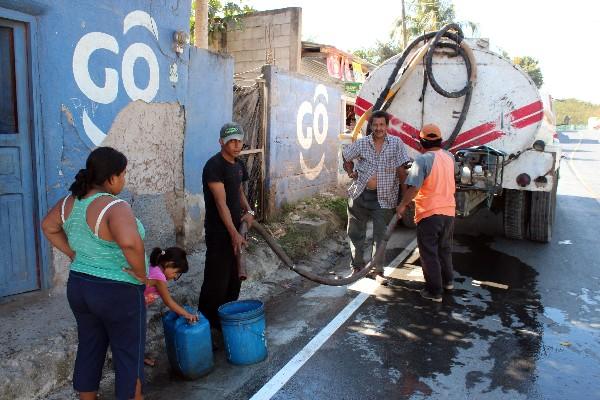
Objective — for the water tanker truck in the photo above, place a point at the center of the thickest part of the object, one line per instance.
(493, 119)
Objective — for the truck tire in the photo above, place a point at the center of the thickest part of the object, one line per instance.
(543, 211)
(515, 214)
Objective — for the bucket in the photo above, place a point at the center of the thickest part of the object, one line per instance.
(243, 325)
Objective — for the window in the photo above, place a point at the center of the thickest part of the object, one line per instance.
(8, 97)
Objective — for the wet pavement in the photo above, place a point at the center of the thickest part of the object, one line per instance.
(523, 321)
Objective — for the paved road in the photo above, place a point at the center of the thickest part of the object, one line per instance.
(539, 338)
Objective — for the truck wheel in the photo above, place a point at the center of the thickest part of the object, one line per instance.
(543, 205)
(515, 214)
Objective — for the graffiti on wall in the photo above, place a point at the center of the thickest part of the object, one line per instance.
(107, 93)
(317, 130)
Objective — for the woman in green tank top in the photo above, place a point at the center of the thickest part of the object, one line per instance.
(104, 240)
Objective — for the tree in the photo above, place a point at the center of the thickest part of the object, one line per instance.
(220, 15)
(421, 16)
(379, 53)
(575, 112)
(531, 66)
(427, 16)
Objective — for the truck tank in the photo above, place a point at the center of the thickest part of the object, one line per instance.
(506, 152)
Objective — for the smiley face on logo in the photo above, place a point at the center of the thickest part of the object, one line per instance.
(319, 112)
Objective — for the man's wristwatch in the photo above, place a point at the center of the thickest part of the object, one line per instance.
(251, 212)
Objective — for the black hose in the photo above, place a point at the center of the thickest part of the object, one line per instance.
(436, 43)
(378, 257)
(429, 62)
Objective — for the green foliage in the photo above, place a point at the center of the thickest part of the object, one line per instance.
(430, 15)
(220, 15)
(421, 16)
(574, 112)
(295, 242)
(426, 16)
(337, 205)
(531, 66)
(379, 53)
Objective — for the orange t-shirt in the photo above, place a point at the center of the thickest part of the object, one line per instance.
(436, 195)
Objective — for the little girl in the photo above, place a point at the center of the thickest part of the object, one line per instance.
(166, 265)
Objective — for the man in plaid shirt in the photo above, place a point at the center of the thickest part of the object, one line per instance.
(373, 194)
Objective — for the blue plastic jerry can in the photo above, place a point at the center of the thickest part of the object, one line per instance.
(189, 346)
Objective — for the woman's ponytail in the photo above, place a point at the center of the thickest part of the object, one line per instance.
(80, 186)
(101, 164)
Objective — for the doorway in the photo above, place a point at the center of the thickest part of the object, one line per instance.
(19, 270)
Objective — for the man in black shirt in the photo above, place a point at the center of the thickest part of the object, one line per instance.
(226, 206)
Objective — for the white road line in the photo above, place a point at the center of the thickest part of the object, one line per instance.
(579, 178)
(290, 369)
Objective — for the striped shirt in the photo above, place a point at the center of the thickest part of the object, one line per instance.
(383, 164)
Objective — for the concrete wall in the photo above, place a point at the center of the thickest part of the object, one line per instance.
(108, 75)
(304, 121)
(277, 31)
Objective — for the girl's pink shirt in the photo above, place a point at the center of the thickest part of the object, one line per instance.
(151, 293)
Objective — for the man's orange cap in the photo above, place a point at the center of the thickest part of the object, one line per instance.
(430, 132)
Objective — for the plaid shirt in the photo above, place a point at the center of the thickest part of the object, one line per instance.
(384, 164)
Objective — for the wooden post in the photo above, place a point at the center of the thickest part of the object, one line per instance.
(201, 25)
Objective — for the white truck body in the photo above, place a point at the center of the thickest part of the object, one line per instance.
(506, 113)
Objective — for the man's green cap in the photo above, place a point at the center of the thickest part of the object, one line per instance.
(230, 131)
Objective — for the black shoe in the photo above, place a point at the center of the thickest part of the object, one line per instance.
(426, 294)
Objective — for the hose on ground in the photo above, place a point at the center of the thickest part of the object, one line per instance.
(378, 257)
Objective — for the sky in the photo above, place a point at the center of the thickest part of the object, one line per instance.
(564, 36)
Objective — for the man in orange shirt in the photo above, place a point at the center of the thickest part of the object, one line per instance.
(431, 184)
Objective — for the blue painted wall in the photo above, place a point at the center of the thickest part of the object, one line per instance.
(65, 29)
(96, 57)
(210, 95)
(304, 121)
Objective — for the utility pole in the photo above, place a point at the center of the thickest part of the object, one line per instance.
(404, 36)
(201, 24)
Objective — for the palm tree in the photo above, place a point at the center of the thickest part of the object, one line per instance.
(426, 16)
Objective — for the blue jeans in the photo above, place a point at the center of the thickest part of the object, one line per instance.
(108, 313)
(365, 207)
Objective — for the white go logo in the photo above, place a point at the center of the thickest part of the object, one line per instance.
(318, 130)
(108, 93)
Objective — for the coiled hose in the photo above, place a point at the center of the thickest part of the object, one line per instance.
(450, 36)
